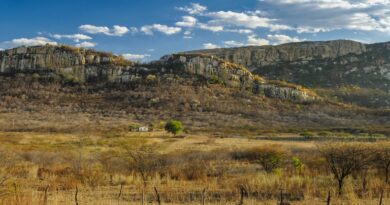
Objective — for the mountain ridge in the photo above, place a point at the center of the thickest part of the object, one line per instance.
(81, 65)
(74, 86)
(329, 65)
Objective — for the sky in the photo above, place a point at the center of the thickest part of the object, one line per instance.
(148, 29)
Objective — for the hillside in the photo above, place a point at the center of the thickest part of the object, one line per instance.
(349, 71)
(71, 89)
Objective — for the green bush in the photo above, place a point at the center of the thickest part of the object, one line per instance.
(297, 163)
(173, 126)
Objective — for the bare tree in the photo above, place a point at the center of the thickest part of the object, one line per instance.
(144, 159)
(382, 161)
(345, 159)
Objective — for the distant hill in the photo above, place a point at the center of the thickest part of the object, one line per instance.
(346, 70)
(67, 88)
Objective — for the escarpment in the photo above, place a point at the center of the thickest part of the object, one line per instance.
(345, 70)
(316, 64)
(88, 66)
(218, 71)
(255, 56)
(77, 64)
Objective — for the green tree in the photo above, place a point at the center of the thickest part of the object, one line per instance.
(173, 126)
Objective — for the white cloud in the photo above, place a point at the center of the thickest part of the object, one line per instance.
(187, 21)
(308, 29)
(94, 29)
(281, 39)
(364, 22)
(233, 44)
(29, 42)
(194, 8)
(332, 4)
(2, 49)
(244, 20)
(210, 27)
(135, 57)
(187, 35)
(192, 22)
(114, 31)
(149, 29)
(86, 44)
(209, 46)
(313, 16)
(254, 41)
(119, 30)
(75, 37)
(241, 31)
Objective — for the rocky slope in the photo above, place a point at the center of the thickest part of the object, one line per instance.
(65, 88)
(217, 71)
(325, 65)
(86, 66)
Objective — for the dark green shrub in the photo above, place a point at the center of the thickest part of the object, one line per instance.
(173, 126)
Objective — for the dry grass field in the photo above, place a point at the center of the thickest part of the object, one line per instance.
(117, 167)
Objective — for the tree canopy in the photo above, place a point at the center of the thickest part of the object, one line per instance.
(173, 126)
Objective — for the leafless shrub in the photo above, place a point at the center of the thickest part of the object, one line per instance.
(144, 159)
(382, 161)
(344, 159)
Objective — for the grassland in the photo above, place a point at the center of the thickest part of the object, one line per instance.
(46, 168)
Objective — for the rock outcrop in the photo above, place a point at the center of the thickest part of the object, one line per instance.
(216, 70)
(326, 65)
(79, 65)
(88, 66)
(256, 56)
(323, 64)
(211, 68)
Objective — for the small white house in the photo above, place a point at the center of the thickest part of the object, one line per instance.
(143, 129)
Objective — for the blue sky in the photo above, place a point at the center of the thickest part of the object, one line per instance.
(148, 29)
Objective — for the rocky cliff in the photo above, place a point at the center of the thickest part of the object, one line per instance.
(79, 65)
(323, 65)
(218, 71)
(254, 57)
(88, 66)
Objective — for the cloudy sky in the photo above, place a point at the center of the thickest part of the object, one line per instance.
(146, 30)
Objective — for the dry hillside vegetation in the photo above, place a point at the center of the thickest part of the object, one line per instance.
(54, 106)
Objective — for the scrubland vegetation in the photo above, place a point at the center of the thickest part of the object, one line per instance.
(74, 144)
(49, 105)
(157, 167)
(373, 98)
